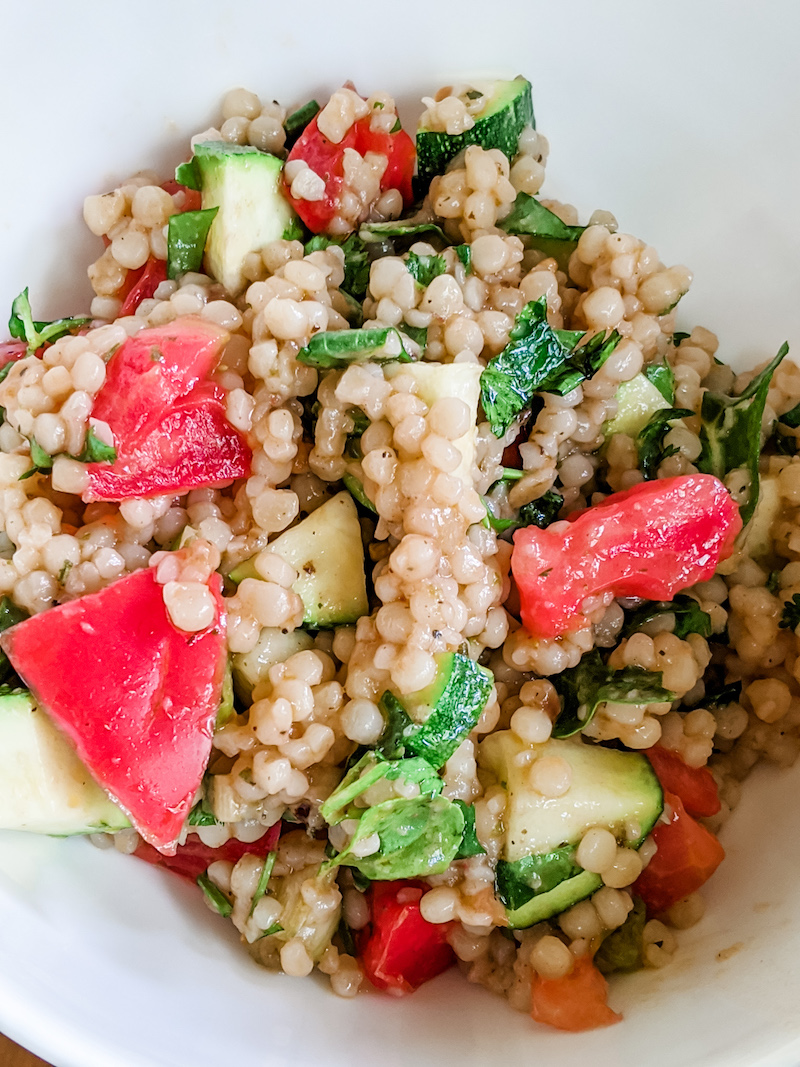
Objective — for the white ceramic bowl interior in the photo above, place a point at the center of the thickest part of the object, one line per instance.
(683, 120)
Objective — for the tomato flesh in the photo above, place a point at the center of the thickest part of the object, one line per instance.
(167, 416)
(686, 857)
(575, 1002)
(694, 785)
(141, 284)
(137, 697)
(400, 950)
(194, 858)
(650, 541)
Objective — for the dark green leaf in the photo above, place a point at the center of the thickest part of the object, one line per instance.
(520, 881)
(470, 845)
(95, 450)
(722, 696)
(774, 582)
(356, 261)
(371, 768)
(346, 937)
(356, 491)
(542, 511)
(392, 742)
(276, 928)
(186, 240)
(790, 616)
(678, 338)
(418, 334)
(650, 440)
(660, 375)
(530, 218)
(584, 688)
(423, 269)
(41, 460)
(294, 231)
(298, 120)
(188, 174)
(730, 432)
(10, 615)
(791, 418)
(66, 567)
(202, 815)
(464, 253)
(340, 348)
(689, 616)
(214, 895)
(623, 949)
(263, 880)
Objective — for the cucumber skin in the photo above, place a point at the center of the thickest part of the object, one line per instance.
(499, 130)
(563, 896)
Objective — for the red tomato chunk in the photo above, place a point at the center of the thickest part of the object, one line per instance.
(694, 785)
(650, 541)
(578, 1001)
(194, 858)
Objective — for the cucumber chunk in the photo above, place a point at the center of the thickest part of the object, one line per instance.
(612, 789)
(327, 552)
(508, 108)
(44, 786)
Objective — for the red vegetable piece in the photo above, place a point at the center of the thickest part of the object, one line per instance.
(687, 856)
(694, 785)
(137, 697)
(167, 417)
(141, 284)
(649, 541)
(193, 858)
(400, 152)
(192, 198)
(401, 950)
(327, 160)
(576, 1002)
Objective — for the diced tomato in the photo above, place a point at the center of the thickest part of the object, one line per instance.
(167, 416)
(11, 351)
(687, 856)
(327, 160)
(137, 697)
(193, 858)
(650, 541)
(579, 1001)
(400, 950)
(141, 284)
(192, 198)
(694, 785)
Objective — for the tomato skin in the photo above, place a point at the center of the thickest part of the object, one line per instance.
(11, 351)
(141, 284)
(192, 198)
(694, 785)
(400, 151)
(400, 950)
(687, 856)
(650, 541)
(574, 1003)
(194, 858)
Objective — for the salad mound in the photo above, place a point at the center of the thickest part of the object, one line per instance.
(378, 555)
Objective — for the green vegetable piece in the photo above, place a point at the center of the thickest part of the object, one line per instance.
(377, 231)
(339, 348)
(660, 375)
(392, 743)
(623, 949)
(188, 174)
(371, 768)
(678, 338)
(418, 837)
(540, 512)
(418, 334)
(263, 882)
(423, 269)
(464, 253)
(276, 928)
(10, 615)
(214, 896)
(226, 709)
(520, 881)
(356, 261)
(41, 460)
(530, 218)
(356, 490)
(294, 231)
(21, 325)
(791, 418)
(790, 616)
(186, 240)
(95, 450)
(298, 120)
(730, 433)
(650, 439)
(689, 616)
(584, 688)
(202, 815)
(470, 845)
(722, 696)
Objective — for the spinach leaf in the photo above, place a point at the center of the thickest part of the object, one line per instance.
(791, 418)
(186, 240)
(650, 439)
(21, 325)
(525, 878)
(297, 122)
(660, 375)
(540, 512)
(214, 895)
(10, 615)
(95, 450)
(417, 837)
(263, 880)
(339, 348)
(377, 231)
(536, 359)
(356, 491)
(530, 218)
(392, 742)
(623, 949)
(790, 616)
(356, 261)
(470, 845)
(294, 231)
(371, 768)
(418, 334)
(730, 433)
(423, 269)
(584, 688)
(689, 616)
(722, 696)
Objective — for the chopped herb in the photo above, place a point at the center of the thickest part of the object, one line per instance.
(41, 460)
(66, 567)
(584, 688)
(397, 126)
(263, 880)
(470, 845)
(678, 338)
(423, 269)
(774, 582)
(689, 616)
(376, 231)
(186, 240)
(464, 253)
(530, 218)
(392, 742)
(511, 474)
(95, 450)
(623, 949)
(340, 348)
(418, 334)
(276, 928)
(650, 440)
(10, 615)
(346, 937)
(298, 120)
(356, 490)
(202, 815)
(730, 432)
(540, 512)
(356, 261)
(294, 231)
(536, 360)
(722, 696)
(791, 418)
(214, 895)
(6, 370)
(21, 325)
(660, 375)
(790, 616)
(473, 94)
(188, 175)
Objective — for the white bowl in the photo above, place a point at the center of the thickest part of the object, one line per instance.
(682, 119)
